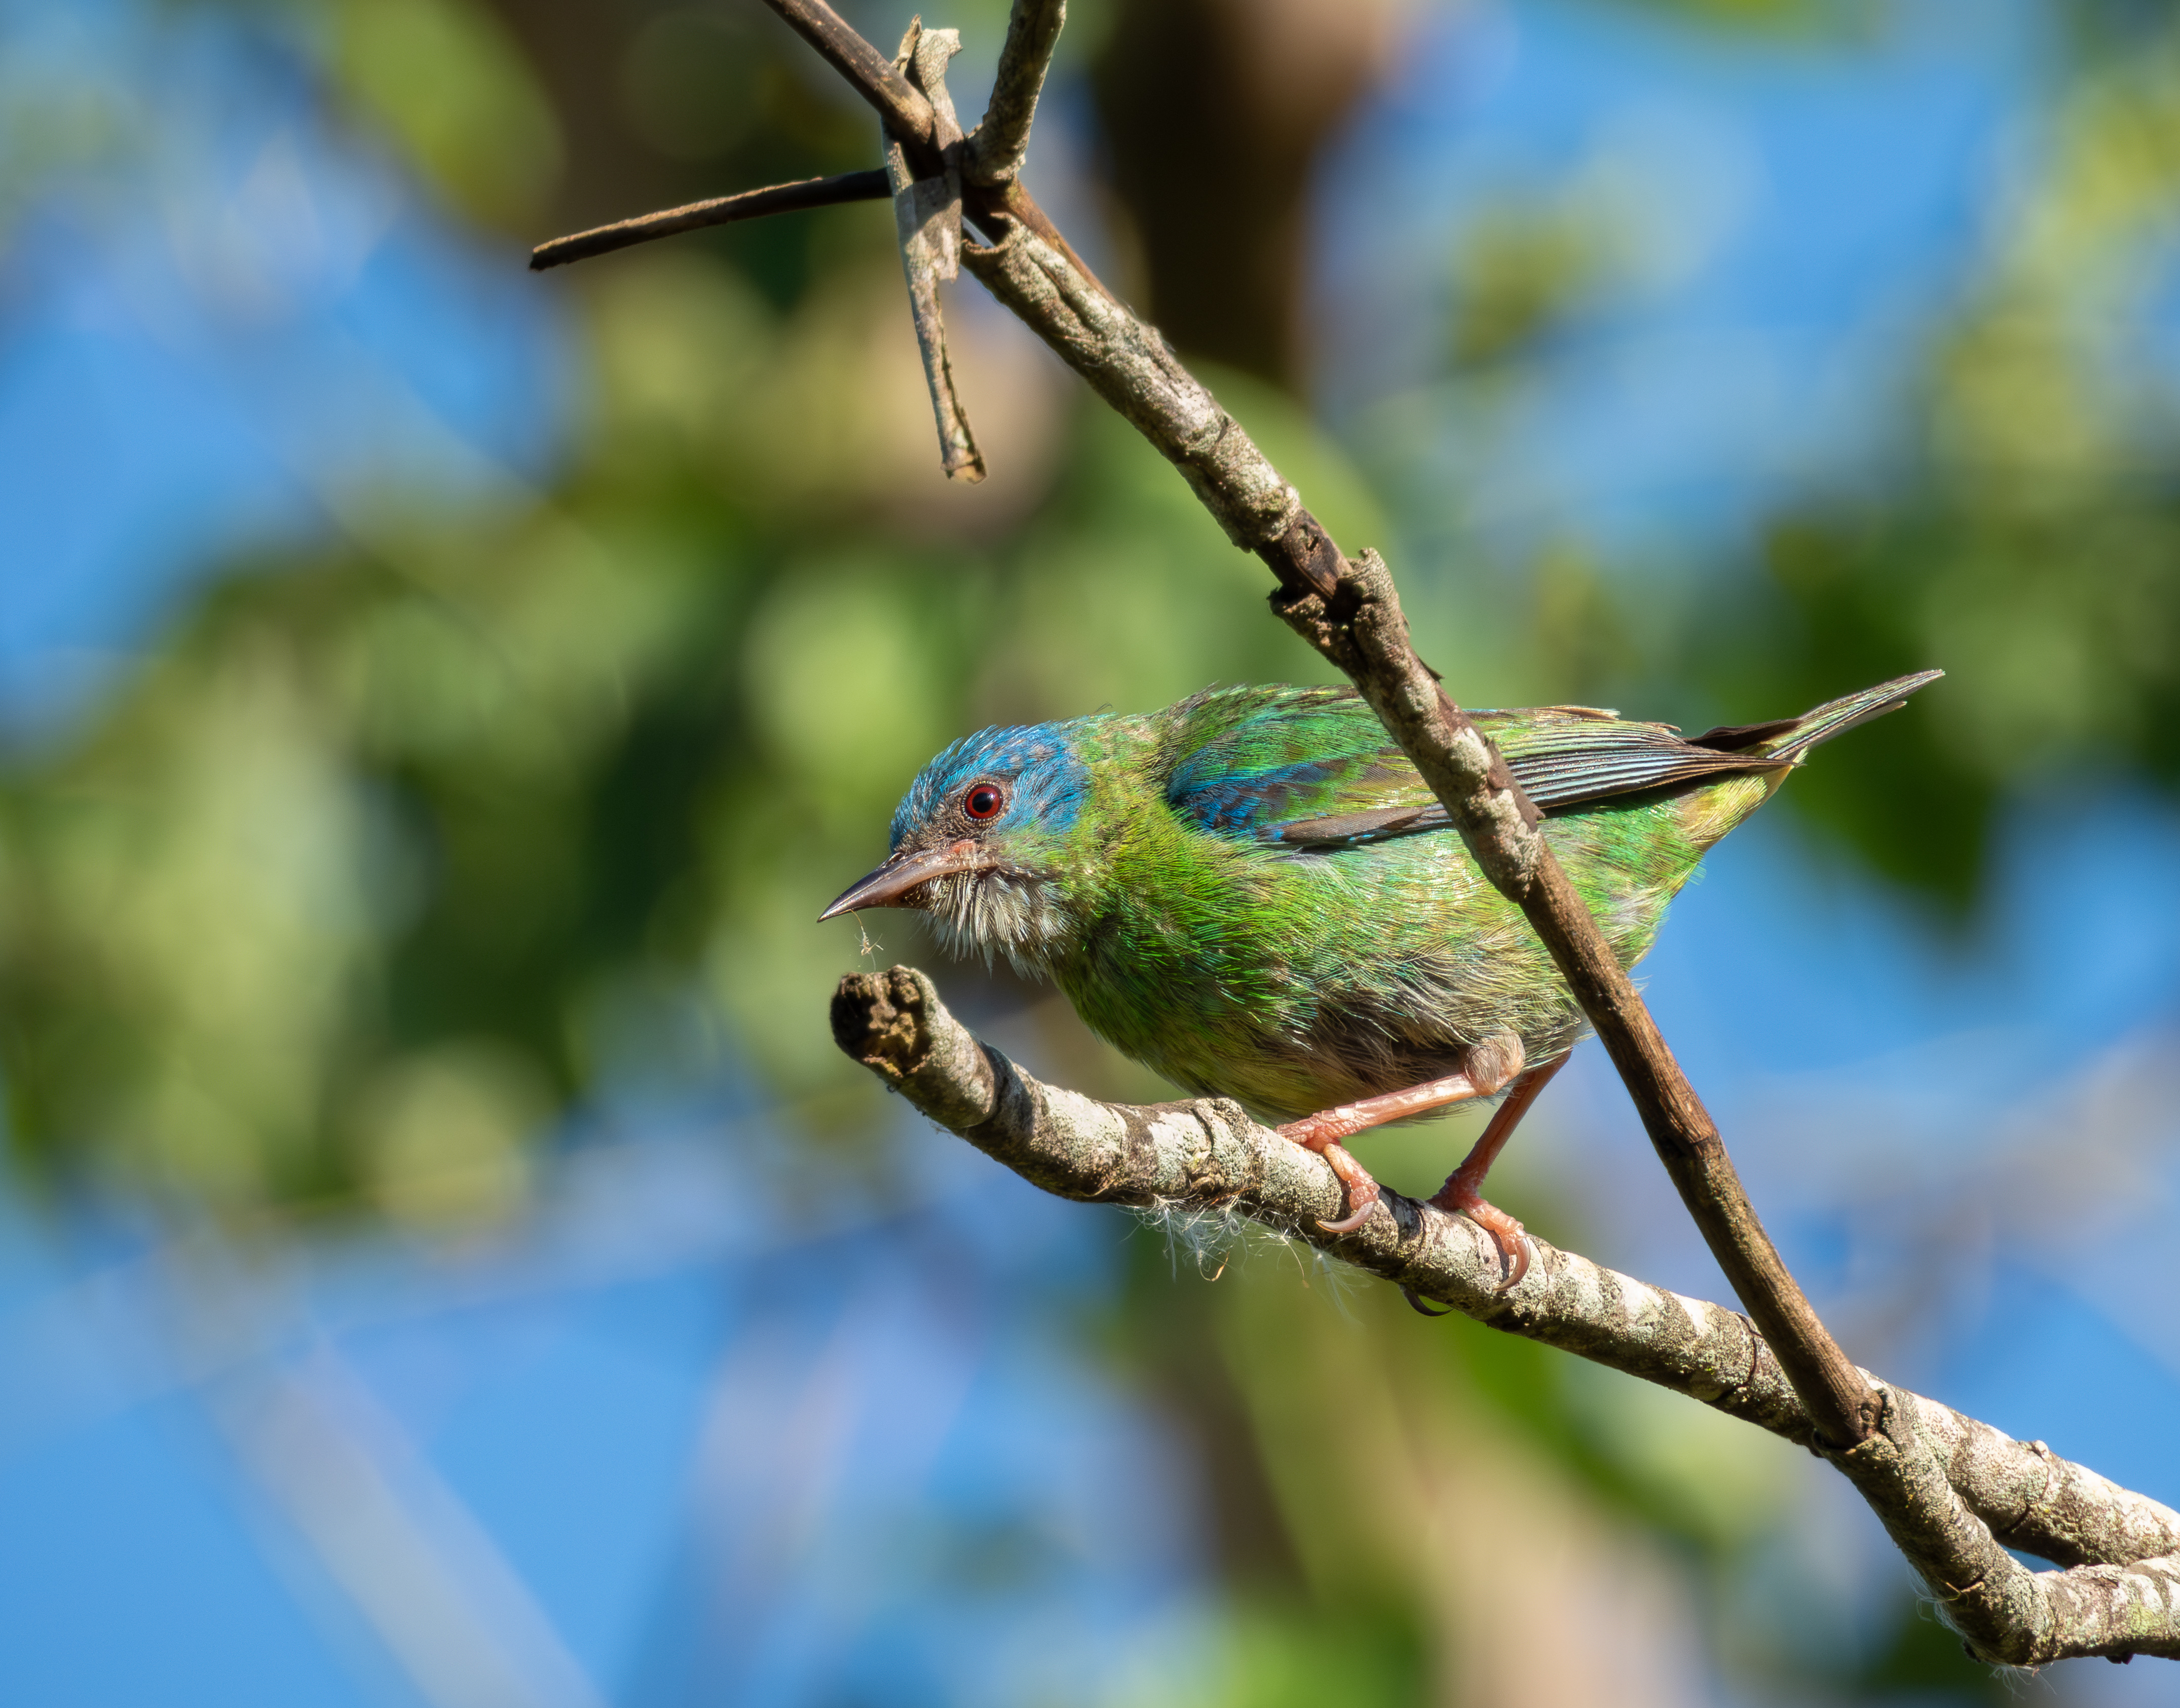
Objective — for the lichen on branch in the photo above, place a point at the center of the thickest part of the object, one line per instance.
(1955, 1494)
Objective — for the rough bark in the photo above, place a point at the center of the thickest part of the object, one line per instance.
(996, 150)
(927, 225)
(1955, 1494)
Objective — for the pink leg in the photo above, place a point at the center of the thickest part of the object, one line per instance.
(1324, 1131)
(1354, 1178)
(1463, 1191)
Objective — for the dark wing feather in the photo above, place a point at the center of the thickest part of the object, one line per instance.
(1311, 767)
(1563, 763)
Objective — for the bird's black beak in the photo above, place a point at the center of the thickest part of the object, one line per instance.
(903, 873)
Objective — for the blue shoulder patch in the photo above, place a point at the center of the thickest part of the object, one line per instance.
(1211, 797)
(1264, 757)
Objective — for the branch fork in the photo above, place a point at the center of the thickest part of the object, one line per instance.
(928, 162)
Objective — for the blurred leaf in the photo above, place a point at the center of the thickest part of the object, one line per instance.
(2029, 541)
(1823, 18)
(1520, 270)
(444, 1136)
(1280, 1657)
(448, 83)
(689, 79)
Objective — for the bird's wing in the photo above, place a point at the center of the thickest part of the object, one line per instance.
(1563, 760)
(1312, 767)
(1252, 762)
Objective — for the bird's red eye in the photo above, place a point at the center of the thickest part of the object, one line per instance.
(984, 801)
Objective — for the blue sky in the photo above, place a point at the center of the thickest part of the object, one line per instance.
(1795, 215)
(227, 320)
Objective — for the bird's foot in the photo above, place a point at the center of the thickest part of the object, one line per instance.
(1458, 1197)
(1494, 1064)
(1322, 1134)
(1462, 1194)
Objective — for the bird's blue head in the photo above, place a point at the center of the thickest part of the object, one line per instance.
(981, 843)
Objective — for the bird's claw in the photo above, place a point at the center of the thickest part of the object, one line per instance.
(1355, 1218)
(1363, 1193)
(1511, 1239)
(1515, 1256)
(1416, 1303)
(1316, 1132)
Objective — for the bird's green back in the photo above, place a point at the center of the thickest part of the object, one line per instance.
(1237, 957)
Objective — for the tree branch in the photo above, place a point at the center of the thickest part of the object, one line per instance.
(927, 225)
(1954, 1493)
(1350, 612)
(720, 210)
(869, 72)
(998, 146)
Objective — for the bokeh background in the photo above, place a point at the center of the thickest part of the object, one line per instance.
(443, 1262)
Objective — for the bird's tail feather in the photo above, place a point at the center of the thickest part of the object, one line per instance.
(1791, 737)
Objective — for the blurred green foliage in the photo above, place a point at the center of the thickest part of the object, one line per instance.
(2026, 534)
(457, 811)
(1520, 271)
(2030, 537)
(449, 83)
(2019, 526)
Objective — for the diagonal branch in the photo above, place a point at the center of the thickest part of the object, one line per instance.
(907, 114)
(1954, 1493)
(1351, 613)
(721, 210)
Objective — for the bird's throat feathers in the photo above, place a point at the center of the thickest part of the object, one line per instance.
(1047, 857)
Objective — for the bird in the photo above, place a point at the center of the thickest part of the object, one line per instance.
(1253, 892)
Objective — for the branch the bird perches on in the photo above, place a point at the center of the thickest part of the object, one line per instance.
(1953, 1494)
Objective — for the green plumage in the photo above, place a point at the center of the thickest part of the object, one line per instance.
(1253, 892)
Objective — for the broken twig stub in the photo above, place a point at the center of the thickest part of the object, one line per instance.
(927, 217)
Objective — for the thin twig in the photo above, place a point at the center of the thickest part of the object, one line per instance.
(720, 210)
(869, 72)
(1953, 1492)
(1000, 142)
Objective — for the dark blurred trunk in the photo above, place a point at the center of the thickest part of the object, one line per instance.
(576, 49)
(626, 95)
(1215, 112)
